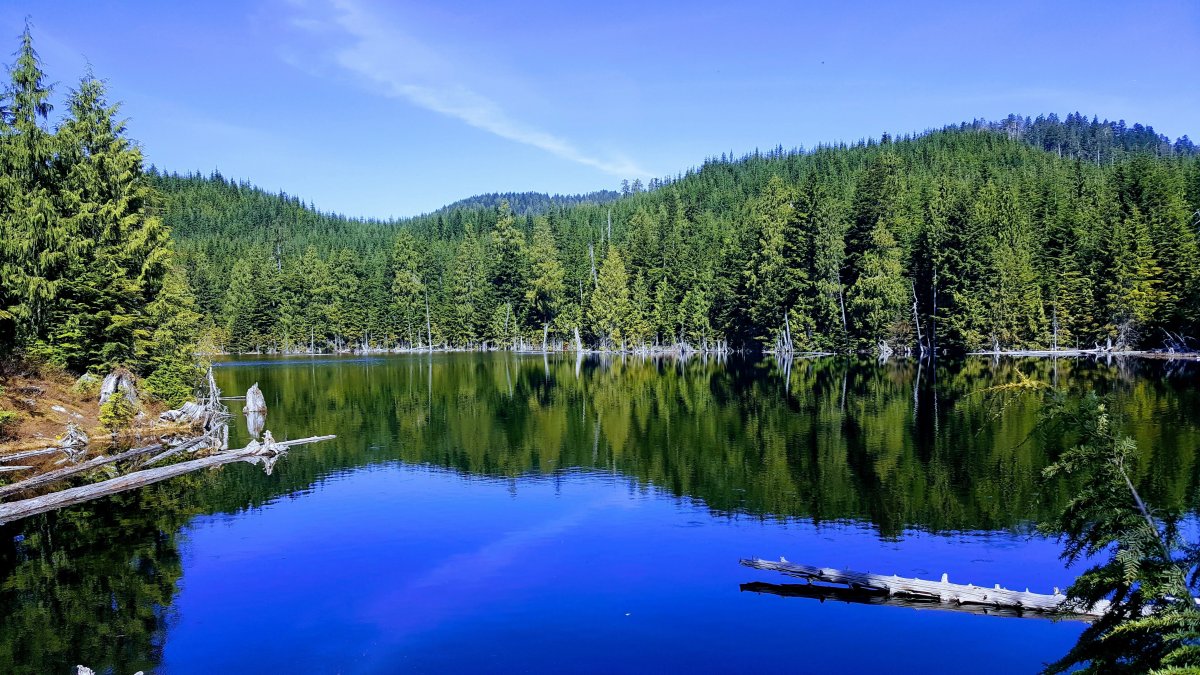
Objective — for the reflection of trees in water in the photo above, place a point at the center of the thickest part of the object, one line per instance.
(91, 584)
(899, 445)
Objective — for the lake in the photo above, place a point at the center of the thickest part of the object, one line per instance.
(500, 512)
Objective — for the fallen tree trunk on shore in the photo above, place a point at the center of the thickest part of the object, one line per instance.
(266, 452)
(937, 591)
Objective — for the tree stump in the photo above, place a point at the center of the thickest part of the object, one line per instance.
(255, 402)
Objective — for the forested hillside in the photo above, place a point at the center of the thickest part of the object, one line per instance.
(530, 203)
(1025, 233)
(87, 274)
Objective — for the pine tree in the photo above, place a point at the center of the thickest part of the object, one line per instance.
(644, 240)
(247, 307)
(1016, 317)
(609, 310)
(641, 311)
(1133, 280)
(349, 309)
(876, 300)
(121, 254)
(165, 343)
(827, 259)
(468, 302)
(35, 243)
(875, 199)
(544, 294)
(694, 317)
(665, 314)
(1160, 198)
(408, 290)
(773, 282)
(508, 262)
(1141, 564)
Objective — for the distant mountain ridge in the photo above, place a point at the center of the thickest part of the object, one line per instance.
(529, 203)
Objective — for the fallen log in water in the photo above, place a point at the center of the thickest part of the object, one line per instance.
(66, 472)
(29, 453)
(872, 597)
(266, 452)
(939, 591)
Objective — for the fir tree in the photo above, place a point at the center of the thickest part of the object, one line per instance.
(876, 300)
(773, 282)
(609, 310)
(544, 294)
(408, 289)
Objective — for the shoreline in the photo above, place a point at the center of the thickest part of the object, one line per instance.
(688, 353)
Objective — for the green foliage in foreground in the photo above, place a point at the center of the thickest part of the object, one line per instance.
(87, 277)
(1150, 574)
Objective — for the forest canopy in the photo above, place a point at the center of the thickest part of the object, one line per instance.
(88, 279)
(1019, 234)
(1027, 233)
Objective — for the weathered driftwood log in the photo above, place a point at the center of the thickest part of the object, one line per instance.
(119, 380)
(190, 445)
(940, 591)
(67, 472)
(264, 453)
(73, 439)
(16, 456)
(7, 469)
(192, 411)
(255, 402)
(872, 597)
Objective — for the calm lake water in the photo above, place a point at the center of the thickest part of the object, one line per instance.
(521, 513)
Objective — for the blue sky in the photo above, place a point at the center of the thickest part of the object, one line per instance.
(382, 109)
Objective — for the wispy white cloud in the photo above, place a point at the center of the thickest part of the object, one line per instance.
(406, 68)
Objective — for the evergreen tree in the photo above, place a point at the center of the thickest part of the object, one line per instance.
(247, 307)
(827, 259)
(875, 200)
(508, 259)
(609, 310)
(1016, 317)
(666, 313)
(1132, 281)
(120, 254)
(408, 290)
(876, 300)
(641, 310)
(773, 282)
(348, 311)
(544, 294)
(467, 293)
(166, 341)
(694, 317)
(35, 243)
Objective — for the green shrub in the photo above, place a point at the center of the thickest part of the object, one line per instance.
(8, 423)
(174, 382)
(87, 385)
(117, 412)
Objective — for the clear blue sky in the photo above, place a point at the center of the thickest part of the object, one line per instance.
(378, 108)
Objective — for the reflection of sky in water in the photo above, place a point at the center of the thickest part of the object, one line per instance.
(498, 512)
(401, 568)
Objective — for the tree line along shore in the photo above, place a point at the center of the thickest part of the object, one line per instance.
(1024, 234)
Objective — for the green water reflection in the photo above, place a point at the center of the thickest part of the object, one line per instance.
(899, 446)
